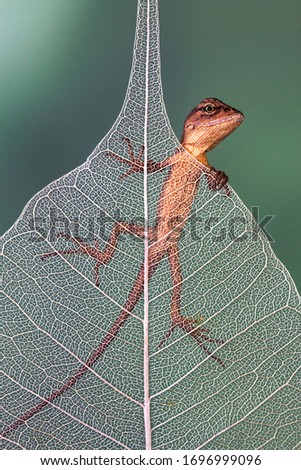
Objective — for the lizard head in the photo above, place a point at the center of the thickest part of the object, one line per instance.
(208, 124)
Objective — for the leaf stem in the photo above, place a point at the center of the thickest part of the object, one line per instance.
(147, 418)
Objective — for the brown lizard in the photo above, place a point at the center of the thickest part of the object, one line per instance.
(206, 125)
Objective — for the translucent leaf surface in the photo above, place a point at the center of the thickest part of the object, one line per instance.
(136, 394)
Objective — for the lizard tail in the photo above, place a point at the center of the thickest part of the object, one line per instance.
(133, 298)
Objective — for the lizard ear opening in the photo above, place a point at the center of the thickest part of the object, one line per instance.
(185, 128)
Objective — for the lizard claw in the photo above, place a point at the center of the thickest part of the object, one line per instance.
(167, 335)
(218, 180)
(197, 333)
(135, 163)
(187, 324)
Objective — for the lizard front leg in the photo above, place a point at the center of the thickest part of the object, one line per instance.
(217, 179)
(189, 325)
(136, 164)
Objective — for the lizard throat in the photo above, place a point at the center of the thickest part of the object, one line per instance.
(196, 153)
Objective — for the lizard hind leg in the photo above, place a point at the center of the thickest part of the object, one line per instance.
(101, 256)
(188, 325)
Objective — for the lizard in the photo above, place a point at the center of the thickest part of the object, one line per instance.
(204, 128)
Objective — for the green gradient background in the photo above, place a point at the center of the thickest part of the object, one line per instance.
(64, 72)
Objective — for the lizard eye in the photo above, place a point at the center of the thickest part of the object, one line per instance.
(209, 108)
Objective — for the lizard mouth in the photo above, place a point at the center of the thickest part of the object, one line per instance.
(239, 117)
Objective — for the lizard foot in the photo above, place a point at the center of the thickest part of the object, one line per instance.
(83, 247)
(191, 327)
(218, 180)
(135, 163)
